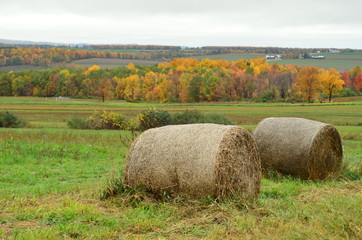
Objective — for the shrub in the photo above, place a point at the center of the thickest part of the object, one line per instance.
(194, 116)
(9, 120)
(217, 118)
(346, 92)
(107, 120)
(78, 123)
(188, 117)
(267, 96)
(152, 118)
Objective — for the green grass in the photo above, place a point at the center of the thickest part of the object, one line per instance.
(340, 61)
(52, 177)
(21, 68)
(232, 56)
(111, 62)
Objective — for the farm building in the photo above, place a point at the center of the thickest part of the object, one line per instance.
(318, 57)
(273, 57)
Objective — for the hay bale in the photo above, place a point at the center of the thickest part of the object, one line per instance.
(195, 160)
(299, 147)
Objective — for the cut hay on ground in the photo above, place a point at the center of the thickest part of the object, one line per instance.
(299, 147)
(195, 160)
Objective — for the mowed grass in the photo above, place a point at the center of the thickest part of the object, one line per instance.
(51, 179)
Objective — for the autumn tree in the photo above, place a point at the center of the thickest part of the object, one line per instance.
(121, 86)
(308, 83)
(353, 73)
(150, 81)
(358, 82)
(345, 78)
(132, 90)
(331, 82)
(185, 79)
(105, 90)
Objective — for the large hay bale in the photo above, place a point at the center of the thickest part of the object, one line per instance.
(299, 147)
(195, 160)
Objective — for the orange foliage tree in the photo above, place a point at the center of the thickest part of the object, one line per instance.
(308, 83)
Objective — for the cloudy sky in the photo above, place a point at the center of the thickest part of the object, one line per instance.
(281, 23)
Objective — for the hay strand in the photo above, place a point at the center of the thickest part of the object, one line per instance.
(299, 147)
(196, 160)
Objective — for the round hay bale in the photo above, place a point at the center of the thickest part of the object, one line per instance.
(195, 160)
(299, 147)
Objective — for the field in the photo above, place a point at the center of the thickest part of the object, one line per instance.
(21, 68)
(233, 56)
(111, 63)
(52, 177)
(340, 61)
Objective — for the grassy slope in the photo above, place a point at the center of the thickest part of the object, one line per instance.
(340, 61)
(51, 178)
(110, 62)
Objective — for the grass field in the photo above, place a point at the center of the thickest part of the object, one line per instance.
(111, 63)
(340, 61)
(51, 179)
(233, 56)
(21, 68)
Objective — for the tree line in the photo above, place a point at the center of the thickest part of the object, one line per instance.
(62, 56)
(186, 80)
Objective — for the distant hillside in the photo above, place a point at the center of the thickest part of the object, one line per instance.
(8, 41)
(32, 43)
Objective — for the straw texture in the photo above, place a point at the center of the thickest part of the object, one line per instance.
(299, 147)
(195, 160)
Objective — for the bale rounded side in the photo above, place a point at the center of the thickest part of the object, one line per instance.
(299, 147)
(197, 160)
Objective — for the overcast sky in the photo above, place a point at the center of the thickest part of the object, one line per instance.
(281, 23)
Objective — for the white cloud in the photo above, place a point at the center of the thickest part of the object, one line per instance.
(189, 22)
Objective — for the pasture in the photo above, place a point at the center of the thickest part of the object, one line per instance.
(21, 68)
(52, 177)
(340, 61)
(110, 62)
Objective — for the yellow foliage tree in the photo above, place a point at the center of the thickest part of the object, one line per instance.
(105, 90)
(91, 69)
(331, 82)
(163, 92)
(121, 86)
(308, 83)
(149, 83)
(132, 90)
(185, 79)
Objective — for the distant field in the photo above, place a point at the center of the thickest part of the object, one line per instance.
(340, 61)
(111, 63)
(233, 56)
(21, 68)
